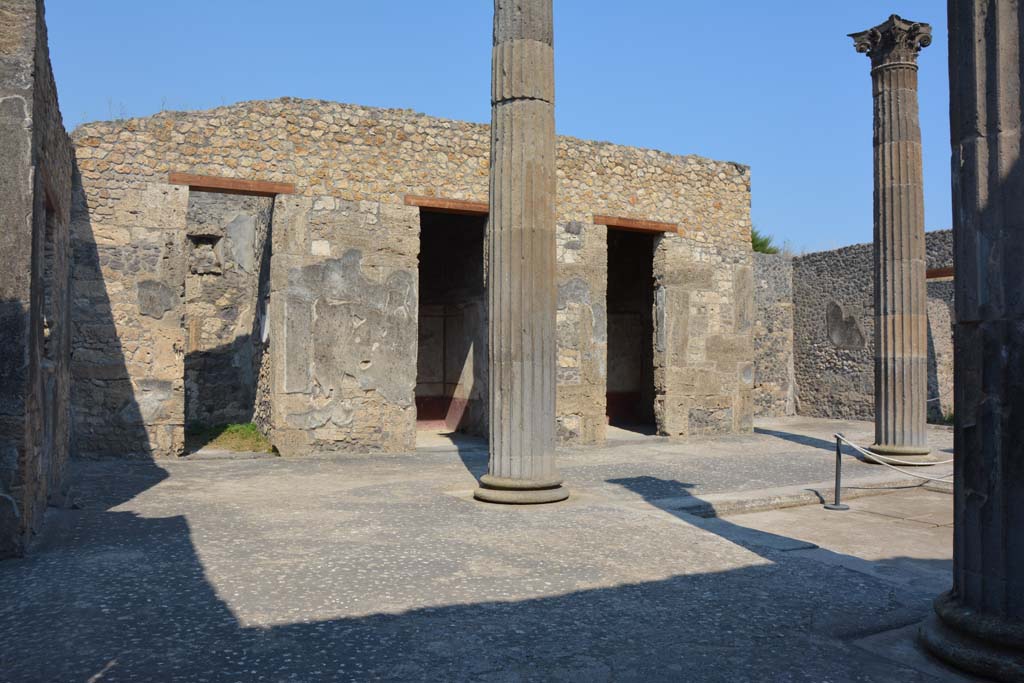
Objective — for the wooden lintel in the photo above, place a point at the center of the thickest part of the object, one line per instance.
(936, 273)
(459, 206)
(635, 224)
(207, 183)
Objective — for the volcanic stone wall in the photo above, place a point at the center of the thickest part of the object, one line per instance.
(344, 263)
(833, 297)
(35, 196)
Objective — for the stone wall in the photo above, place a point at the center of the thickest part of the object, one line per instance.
(35, 193)
(833, 297)
(581, 326)
(128, 355)
(774, 372)
(363, 162)
(343, 325)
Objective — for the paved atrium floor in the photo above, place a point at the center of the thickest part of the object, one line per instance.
(383, 568)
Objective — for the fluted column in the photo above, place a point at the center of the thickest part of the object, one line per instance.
(901, 310)
(979, 624)
(521, 258)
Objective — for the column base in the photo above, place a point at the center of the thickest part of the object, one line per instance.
(911, 455)
(519, 491)
(975, 643)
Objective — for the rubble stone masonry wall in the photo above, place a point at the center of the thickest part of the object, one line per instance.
(833, 298)
(35, 194)
(344, 268)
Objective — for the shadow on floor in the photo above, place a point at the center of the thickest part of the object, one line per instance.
(472, 449)
(812, 441)
(120, 597)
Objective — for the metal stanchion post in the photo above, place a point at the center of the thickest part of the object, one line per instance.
(839, 477)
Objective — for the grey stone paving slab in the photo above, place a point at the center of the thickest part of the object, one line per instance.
(927, 507)
(899, 549)
(382, 568)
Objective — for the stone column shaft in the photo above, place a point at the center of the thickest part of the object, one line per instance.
(979, 624)
(521, 255)
(901, 308)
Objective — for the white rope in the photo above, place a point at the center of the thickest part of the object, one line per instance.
(881, 460)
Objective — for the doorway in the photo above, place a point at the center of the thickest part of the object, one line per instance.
(451, 366)
(630, 388)
(227, 281)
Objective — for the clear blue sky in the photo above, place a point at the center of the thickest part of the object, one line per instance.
(776, 85)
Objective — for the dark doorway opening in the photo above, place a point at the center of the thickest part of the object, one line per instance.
(226, 285)
(451, 366)
(630, 390)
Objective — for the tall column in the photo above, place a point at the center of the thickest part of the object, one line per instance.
(521, 258)
(901, 310)
(979, 624)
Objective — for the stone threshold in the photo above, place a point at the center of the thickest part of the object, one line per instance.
(761, 500)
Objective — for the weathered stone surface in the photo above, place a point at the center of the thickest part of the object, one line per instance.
(834, 330)
(901, 326)
(131, 260)
(521, 285)
(156, 298)
(131, 226)
(35, 197)
(343, 326)
(979, 624)
(582, 332)
(774, 379)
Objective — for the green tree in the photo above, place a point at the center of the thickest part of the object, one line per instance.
(762, 243)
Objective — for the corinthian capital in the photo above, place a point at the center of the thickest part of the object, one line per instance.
(895, 41)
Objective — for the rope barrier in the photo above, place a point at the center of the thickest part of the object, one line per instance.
(883, 460)
(873, 457)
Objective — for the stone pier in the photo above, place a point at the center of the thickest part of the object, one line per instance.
(979, 624)
(901, 315)
(521, 259)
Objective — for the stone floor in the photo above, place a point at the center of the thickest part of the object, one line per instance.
(377, 567)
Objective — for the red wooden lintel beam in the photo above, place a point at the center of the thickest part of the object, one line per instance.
(207, 183)
(459, 206)
(635, 224)
(935, 273)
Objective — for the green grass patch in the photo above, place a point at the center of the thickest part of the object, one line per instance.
(243, 438)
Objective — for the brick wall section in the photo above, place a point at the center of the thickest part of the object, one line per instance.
(35, 192)
(369, 159)
(833, 297)
(774, 372)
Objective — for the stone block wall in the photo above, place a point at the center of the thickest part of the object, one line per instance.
(35, 196)
(703, 338)
(128, 344)
(581, 326)
(774, 371)
(833, 298)
(343, 325)
(363, 162)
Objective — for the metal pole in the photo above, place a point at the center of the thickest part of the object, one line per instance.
(839, 477)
